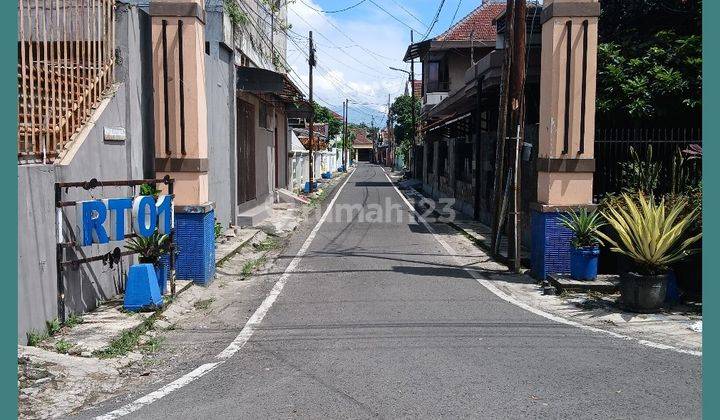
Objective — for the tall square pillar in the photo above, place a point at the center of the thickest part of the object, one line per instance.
(181, 144)
(567, 127)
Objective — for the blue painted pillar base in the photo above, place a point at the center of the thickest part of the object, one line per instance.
(550, 246)
(195, 242)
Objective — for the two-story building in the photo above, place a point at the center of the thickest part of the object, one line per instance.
(461, 69)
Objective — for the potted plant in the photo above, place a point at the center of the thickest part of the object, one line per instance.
(154, 250)
(585, 250)
(653, 236)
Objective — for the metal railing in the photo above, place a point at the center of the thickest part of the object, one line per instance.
(66, 54)
(612, 147)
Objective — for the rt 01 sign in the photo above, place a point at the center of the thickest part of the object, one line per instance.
(102, 221)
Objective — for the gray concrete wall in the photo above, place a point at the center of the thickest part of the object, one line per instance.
(128, 107)
(220, 92)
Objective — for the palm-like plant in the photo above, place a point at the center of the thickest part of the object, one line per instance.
(585, 226)
(150, 248)
(651, 234)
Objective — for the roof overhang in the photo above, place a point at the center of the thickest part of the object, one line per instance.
(257, 80)
(274, 86)
(419, 49)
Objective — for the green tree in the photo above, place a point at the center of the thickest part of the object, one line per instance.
(650, 62)
(401, 116)
(324, 115)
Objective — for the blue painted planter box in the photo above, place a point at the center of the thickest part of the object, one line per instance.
(141, 288)
(195, 242)
(550, 250)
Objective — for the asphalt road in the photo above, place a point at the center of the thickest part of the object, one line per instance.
(378, 321)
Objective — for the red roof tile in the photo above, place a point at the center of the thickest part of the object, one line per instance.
(361, 137)
(480, 20)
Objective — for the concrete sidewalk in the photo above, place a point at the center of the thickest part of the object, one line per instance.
(108, 348)
(679, 326)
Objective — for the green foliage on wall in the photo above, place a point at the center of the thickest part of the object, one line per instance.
(650, 62)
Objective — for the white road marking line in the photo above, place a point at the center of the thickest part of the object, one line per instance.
(156, 395)
(262, 310)
(241, 338)
(510, 299)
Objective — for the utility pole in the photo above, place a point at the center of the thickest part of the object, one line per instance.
(412, 97)
(345, 118)
(500, 145)
(391, 137)
(311, 62)
(517, 121)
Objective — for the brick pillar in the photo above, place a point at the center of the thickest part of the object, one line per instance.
(567, 127)
(181, 144)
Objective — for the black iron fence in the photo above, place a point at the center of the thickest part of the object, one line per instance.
(613, 146)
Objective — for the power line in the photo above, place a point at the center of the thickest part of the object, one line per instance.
(456, 12)
(392, 16)
(337, 84)
(333, 43)
(452, 22)
(334, 11)
(342, 32)
(435, 20)
(297, 77)
(410, 13)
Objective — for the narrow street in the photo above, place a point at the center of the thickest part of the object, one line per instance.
(377, 319)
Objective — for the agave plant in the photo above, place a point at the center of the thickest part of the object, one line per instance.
(150, 248)
(584, 225)
(651, 234)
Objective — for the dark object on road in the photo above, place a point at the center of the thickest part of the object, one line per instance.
(643, 293)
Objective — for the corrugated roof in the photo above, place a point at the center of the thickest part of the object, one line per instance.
(479, 22)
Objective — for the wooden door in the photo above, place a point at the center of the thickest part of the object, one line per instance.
(245, 151)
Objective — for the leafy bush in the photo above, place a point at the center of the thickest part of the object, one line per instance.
(62, 346)
(148, 189)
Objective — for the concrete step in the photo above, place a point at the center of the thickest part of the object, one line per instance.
(254, 216)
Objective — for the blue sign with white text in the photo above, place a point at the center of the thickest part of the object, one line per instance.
(102, 221)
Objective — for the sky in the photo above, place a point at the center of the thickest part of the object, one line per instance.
(356, 47)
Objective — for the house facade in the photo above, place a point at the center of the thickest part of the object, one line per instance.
(182, 89)
(455, 154)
